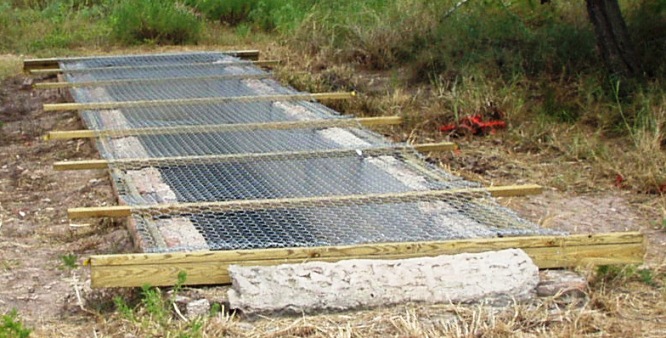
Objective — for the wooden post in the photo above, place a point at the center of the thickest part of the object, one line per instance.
(123, 211)
(210, 128)
(51, 63)
(211, 267)
(136, 163)
(199, 100)
(55, 85)
(262, 63)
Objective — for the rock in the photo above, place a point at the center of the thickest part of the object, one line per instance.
(561, 282)
(27, 84)
(197, 308)
(316, 286)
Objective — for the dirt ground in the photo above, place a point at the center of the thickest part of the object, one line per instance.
(38, 243)
(36, 238)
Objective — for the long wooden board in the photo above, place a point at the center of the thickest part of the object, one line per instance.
(30, 64)
(136, 163)
(198, 100)
(211, 128)
(101, 83)
(262, 63)
(210, 267)
(124, 211)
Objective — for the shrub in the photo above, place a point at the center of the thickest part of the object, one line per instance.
(154, 21)
(232, 12)
(281, 15)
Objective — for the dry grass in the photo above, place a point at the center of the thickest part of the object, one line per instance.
(9, 65)
(619, 305)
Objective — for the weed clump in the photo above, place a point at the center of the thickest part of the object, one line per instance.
(11, 326)
(154, 21)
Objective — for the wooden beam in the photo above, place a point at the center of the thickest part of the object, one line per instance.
(136, 163)
(56, 85)
(209, 128)
(199, 100)
(435, 147)
(30, 64)
(262, 63)
(210, 267)
(259, 204)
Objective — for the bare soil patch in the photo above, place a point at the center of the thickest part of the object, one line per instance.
(35, 234)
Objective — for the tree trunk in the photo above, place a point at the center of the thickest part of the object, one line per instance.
(612, 37)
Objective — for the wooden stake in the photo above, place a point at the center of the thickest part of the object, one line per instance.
(244, 157)
(210, 267)
(263, 63)
(209, 128)
(199, 100)
(30, 64)
(55, 85)
(245, 205)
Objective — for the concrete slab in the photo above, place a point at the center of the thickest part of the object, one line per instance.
(316, 286)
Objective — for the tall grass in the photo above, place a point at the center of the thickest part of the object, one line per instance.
(154, 21)
(51, 27)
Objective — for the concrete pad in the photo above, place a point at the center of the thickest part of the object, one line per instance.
(317, 286)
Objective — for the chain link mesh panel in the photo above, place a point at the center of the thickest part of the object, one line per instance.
(208, 180)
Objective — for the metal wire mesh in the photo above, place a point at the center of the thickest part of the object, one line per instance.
(156, 71)
(141, 60)
(235, 142)
(206, 114)
(240, 186)
(203, 88)
(468, 215)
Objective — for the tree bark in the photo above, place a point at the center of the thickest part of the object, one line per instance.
(613, 39)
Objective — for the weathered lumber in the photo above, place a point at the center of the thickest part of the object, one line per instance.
(184, 160)
(30, 64)
(262, 63)
(210, 267)
(209, 128)
(123, 211)
(53, 85)
(199, 100)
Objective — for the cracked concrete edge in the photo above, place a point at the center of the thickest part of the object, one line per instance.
(311, 287)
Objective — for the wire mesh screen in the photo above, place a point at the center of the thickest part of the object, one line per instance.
(205, 114)
(240, 175)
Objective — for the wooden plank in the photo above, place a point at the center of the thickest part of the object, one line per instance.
(199, 100)
(55, 85)
(136, 163)
(435, 147)
(29, 64)
(217, 272)
(210, 267)
(81, 165)
(238, 205)
(370, 250)
(209, 128)
(262, 63)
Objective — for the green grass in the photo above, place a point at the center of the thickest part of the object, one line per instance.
(154, 22)
(155, 312)
(69, 261)
(12, 327)
(624, 274)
